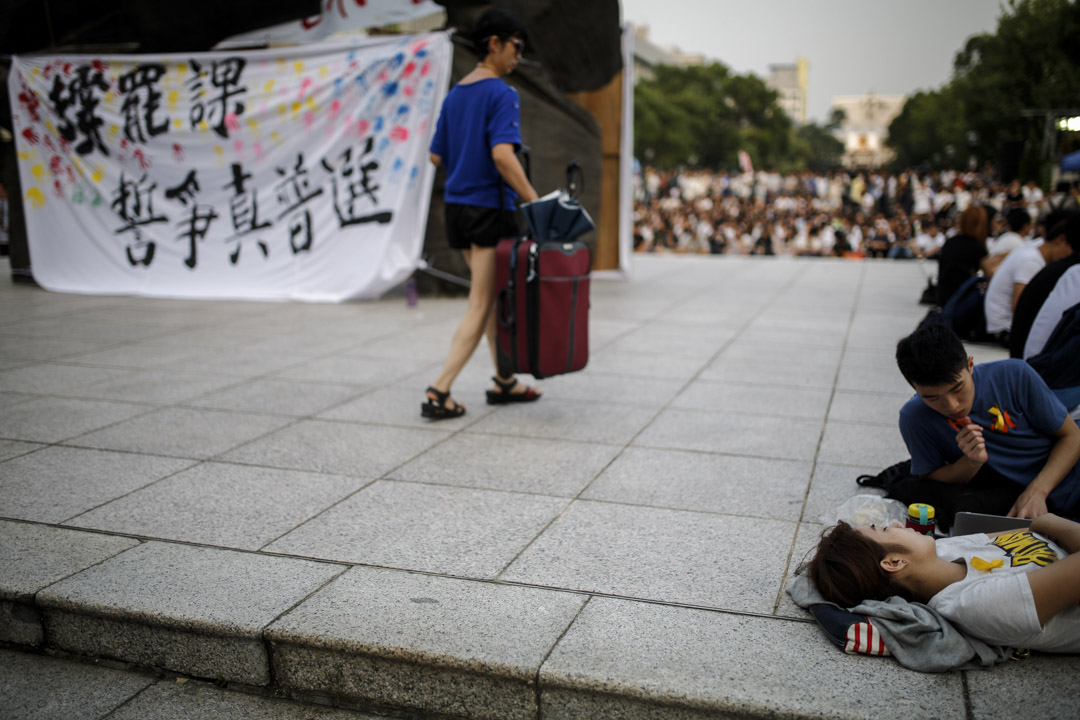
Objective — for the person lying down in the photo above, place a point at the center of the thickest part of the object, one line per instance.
(1018, 589)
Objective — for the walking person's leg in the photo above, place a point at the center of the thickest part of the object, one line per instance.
(466, 337)
(507, 388)
(479, 320)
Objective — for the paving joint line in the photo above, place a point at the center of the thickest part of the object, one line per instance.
(821, 437)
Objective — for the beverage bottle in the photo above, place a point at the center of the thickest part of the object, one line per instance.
(920, 517)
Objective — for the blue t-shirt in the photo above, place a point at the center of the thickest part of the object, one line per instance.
(1019, 416)
(474, 119)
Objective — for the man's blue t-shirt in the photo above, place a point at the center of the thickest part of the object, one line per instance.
(1019, 416)
(474, 119)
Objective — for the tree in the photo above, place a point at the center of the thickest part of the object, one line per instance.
(1030, 63)
(703, 115)
(815, 147)
(930, 131)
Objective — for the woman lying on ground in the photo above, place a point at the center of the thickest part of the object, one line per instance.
(1015, 588)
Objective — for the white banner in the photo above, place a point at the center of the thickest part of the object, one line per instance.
(336, 18)
(299, 173)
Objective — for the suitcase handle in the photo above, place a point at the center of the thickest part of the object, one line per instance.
(575, 178)
(504, 312)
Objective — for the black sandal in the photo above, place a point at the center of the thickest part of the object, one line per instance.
(503, 394)
(436, 409)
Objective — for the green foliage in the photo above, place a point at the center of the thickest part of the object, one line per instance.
(1030, 63)
(815, 148)
(703, 115)
(931, 131)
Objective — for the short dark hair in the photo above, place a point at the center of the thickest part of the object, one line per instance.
(1072, 231)
(1018, 219)
(495, 23)
(846, 568)
(932, 355)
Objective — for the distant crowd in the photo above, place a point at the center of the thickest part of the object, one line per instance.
(867, 214)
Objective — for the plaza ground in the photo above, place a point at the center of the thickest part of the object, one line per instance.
(246, 492)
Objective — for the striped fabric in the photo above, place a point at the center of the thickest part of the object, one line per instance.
(864, 639)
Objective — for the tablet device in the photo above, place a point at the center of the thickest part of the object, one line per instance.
(968, 523)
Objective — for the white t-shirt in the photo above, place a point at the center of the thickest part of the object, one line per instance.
(996, 605)
(1065, 294)
(1003, 243)
(1019, 266)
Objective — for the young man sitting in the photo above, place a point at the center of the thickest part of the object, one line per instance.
(1016, 271)
(1000, 414)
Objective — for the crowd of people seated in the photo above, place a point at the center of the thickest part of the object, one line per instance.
(870, 214)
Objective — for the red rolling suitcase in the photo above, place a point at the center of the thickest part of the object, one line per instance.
(543, 306)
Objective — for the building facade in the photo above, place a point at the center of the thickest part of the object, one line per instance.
(647, 55)
(790, 82)
(866, 127)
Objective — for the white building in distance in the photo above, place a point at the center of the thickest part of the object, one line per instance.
(790, 82)
(866, 127)
(647, 55)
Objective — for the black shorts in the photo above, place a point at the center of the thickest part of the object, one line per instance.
(468, 225)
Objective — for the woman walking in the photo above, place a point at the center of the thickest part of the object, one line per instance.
(476, 138)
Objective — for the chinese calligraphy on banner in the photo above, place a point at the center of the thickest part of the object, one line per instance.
(296, 173)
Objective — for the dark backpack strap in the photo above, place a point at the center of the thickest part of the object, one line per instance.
(887, 477)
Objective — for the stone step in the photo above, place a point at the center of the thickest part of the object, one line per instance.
(429, 645)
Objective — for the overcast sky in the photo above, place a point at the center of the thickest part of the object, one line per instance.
(891, 47)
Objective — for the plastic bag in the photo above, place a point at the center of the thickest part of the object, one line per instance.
(867, 510)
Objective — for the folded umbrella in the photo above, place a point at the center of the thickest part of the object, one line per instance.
(557, 216)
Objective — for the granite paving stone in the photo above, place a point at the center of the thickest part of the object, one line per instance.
(806, 541)
(831, 486)
(223, 505)
(787, 367)
(706, 482)
(599, 388)
(53, 378)
(628, 659)
(52, 419)
(360, 450)
(241, 361)
(160, 387)
(35, 556)
(867, 407)
(692, 350)
(459, 531)
(73, 327)
(1048, 684)
(165, 700)
(400, 405)
(583, 422)
(618, 361)
(531, 465)
(190, 609)
(14, 448)
(29, 687)
(182, 432)
(21, 348)
(766, 335)
(603, 331)
(748, 399)
(407, 640)
(860, 444)
(58, 483)
(871, 371)
(722, 561)
(280, 397)
(365, 371)
(690, 464)
(140, 355)
(718, 431)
